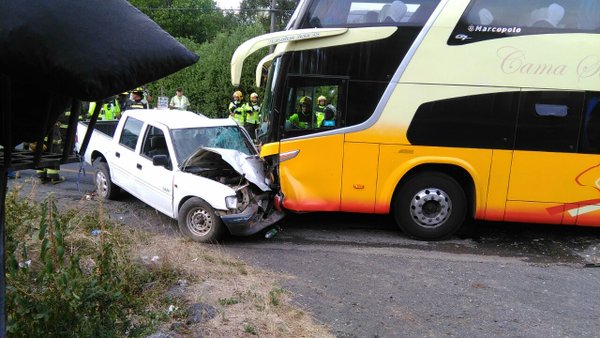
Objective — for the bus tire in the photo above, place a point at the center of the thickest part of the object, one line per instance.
(430, 206)
(105, 188)
(199, 222)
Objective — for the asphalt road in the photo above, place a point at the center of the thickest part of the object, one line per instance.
(362, 277)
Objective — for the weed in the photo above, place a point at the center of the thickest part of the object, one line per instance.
(62, 281)
(274, 296)
(248, 328)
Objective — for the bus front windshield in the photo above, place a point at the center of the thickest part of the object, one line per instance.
(267, 112)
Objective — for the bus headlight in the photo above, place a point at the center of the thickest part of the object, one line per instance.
(231, 202)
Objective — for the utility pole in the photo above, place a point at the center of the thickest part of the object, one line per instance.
(273, 5)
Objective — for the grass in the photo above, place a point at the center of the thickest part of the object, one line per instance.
(247, 300)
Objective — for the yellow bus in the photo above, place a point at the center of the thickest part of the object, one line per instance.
(444, 109)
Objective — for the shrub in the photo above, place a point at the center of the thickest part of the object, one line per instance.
(63, 280)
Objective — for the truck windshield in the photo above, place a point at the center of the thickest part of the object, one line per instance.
(188, 140)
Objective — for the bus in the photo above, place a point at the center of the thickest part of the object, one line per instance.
(444, 110)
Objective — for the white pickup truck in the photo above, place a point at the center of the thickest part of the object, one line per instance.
(204, 172)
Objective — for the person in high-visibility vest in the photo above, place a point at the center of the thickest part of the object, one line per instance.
(179, 101)
(237, 108)
(252, 116)
(110, 109)
(303, 118)
(320, 110)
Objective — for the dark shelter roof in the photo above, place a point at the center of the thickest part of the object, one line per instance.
(54, 51)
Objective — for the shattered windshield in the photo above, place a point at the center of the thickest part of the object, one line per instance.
(188, 140)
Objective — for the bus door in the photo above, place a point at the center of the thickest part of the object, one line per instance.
(546, 166)
(311, 147)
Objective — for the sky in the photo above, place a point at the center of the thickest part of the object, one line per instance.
(228, 4)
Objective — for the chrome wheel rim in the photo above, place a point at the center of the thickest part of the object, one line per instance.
(101, 183)
(199, 221)
(430, 207)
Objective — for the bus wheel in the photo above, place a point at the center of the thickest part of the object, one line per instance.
(430, 206)
(198, 221)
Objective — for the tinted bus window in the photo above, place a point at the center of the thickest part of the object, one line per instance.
(478, 121)
(491, 19)
(549, 121)
(590, 131)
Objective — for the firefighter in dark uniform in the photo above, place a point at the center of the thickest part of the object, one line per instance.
(52, 174)
(136, 102)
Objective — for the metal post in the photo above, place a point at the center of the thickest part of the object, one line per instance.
(90, 129)
(6, 116)
(71, 130)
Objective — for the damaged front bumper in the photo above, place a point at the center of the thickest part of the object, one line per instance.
(250, 221)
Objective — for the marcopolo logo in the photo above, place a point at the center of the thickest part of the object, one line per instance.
(494, 29)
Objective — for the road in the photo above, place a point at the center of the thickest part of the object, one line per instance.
(362, 277)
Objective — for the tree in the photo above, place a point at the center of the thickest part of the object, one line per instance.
(208, 83)
(259, 11)
(199, 20)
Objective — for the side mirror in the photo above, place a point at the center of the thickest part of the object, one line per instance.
(161, 160)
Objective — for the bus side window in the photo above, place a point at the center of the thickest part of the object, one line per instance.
(590, 138)
(549, 121)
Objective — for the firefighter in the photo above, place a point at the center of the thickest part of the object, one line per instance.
(320, 110)
(51, 174)
(252, 117)
(237, 108)
(137, 99)
(302, 119)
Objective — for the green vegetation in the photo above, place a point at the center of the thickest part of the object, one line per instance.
(71, 272)
(213, 35)
(69, 275)
(248, 328)
(274, 296)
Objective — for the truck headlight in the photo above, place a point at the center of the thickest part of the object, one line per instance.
(231, 202)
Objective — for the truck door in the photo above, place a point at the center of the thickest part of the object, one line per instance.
(122, 158)
(155, 182)
(545, 179)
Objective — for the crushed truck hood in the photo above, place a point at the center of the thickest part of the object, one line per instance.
(249, 166)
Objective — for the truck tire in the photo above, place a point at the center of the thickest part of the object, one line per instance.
(430, 206)
(198, 221)
(105, 188)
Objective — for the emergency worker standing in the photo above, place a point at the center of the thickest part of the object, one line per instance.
(237, 108)
(51, 174)
(303, 118)
(252, 117)
(320, 110)
(136, 102)
(110, 110)
(122, 99)
(179, 101)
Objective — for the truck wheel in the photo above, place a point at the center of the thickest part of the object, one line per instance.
(104, 186)
(430, 206)
(198, 220)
